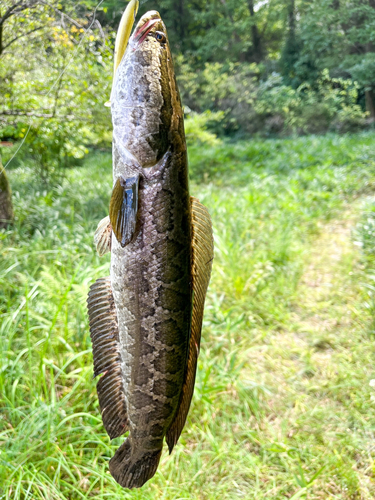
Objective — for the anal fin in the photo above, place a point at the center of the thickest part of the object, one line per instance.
(105, 346)
(202, 256)
(103, 236)
(123, 208)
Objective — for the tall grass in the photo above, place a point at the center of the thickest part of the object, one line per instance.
(282, 408)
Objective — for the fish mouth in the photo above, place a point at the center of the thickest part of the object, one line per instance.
(145, 25)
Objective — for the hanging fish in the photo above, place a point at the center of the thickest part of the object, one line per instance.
(146, 317)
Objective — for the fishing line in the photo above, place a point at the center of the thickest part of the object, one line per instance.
(59, 77)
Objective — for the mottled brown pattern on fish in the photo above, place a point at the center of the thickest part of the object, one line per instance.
(151, 277)
(148, 109)
(162, 250)
(153, 300)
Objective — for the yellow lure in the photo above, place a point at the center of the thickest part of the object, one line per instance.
(124, 30)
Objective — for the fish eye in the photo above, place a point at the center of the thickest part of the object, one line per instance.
(160, 37)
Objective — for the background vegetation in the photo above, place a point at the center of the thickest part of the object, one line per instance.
(271, 67)
(284, 405)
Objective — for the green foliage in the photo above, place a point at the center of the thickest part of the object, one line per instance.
(196, 128)
(332, 104)
(271, 68)
(53, 146)
(253, 105)
(237, 162)
(54, 88)
(282, 406)
(365, 235)
(340, 36)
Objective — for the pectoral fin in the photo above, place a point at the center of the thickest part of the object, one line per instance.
(107, 360)
(103, 236)
(123, 208)
(202, 256)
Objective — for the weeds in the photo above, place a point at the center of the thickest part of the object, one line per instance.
(282, 406)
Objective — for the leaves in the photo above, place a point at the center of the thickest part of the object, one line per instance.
(316, 62)
(55, 83)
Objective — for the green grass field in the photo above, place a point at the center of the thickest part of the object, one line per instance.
(284, 406)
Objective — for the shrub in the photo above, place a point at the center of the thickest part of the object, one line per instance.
(196, 127)
(252, 104)
(53, 90)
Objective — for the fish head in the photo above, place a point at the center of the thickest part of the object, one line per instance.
(149, 24)
(146, 107)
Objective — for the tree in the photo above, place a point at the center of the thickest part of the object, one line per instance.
(55, 77)
(291, 50)
(340, 35)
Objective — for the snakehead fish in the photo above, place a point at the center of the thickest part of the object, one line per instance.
(146, 317)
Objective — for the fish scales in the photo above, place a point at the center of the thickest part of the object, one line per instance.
(152, 292)
(159, 259)
(151, 278)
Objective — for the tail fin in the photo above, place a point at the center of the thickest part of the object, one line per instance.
(132, 470)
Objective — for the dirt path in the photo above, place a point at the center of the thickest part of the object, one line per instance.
(318, 370)
(326, 287)
(330, 328)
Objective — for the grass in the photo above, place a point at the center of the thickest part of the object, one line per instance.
(283, 406)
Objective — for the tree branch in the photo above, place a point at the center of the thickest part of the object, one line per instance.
(17, 7)
(102, 34)
(23, 5)
(20, 36)
(62, 15)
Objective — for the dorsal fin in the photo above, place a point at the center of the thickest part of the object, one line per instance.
(202, 256)
(104, 338)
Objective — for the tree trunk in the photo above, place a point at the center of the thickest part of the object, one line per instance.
(292, 17)
(6, 208)
(370, 106)
(255, 53)
(290, 53)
